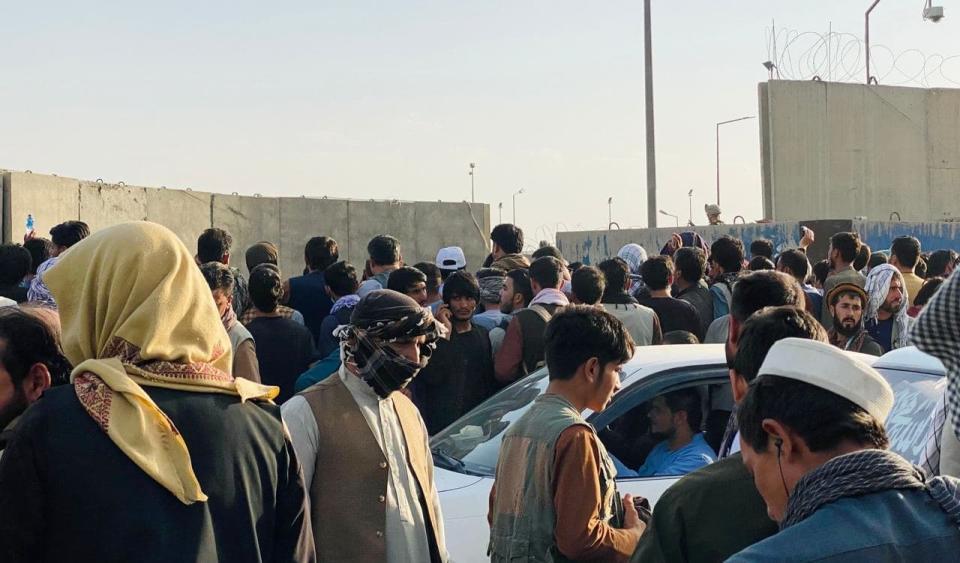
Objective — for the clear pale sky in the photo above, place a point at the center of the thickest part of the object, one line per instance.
(393, 99)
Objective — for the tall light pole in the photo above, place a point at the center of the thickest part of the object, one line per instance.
(690, 198)
(472, 197)
(675, 217)
(515, 194)
(609, 212)
(718, 148)
(930, 13)
(648, 88)
(500, 221)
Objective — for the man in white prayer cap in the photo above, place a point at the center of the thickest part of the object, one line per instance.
(812, 435)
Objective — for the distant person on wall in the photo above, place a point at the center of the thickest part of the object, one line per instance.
(713, 213)
(285, 348)
(508, 247)
(63, 237)
(384, 257)
(220, 280)
(674, 314)
(308, 293)
(844, 248)
(213, 245)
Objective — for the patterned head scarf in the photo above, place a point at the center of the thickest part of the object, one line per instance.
(634, 255)
(136, 311)
(490, 287)
(680, 240)
(937, 332)
(878, 285)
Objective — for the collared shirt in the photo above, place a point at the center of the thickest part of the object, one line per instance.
(406, 526)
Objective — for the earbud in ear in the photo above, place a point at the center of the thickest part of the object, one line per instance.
(778, 443)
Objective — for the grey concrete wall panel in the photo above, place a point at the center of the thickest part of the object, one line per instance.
(50, 199)
(850, 150)
(452, 224)
(248, 220)
(303, 218)
(367, 219)
(186, 213)
(103, 205)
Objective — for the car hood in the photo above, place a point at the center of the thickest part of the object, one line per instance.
(446, 480)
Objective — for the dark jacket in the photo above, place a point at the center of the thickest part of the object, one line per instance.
(308, 294)
(68, 493)
(708, 515)
(326, 341)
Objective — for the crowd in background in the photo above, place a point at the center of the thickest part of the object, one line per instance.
(126, 342)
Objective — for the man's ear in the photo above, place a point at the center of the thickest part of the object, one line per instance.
(733, 335)
(779, 434)
(36, 382)
(739, 386)
(592, 370)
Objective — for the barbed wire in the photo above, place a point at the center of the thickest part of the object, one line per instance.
(841, 57)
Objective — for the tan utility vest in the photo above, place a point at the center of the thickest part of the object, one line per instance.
(349, 488)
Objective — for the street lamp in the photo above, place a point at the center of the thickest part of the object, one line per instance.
(718, 148)
(609, 212)
(690, 197)
(675, 218)
(930, 13)
(515, 194)
(500, 221)
(472, 166)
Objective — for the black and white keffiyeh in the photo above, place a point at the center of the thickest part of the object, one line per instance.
(862, 473)
(937, 332)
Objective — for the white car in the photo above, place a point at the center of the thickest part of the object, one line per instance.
(465, 453)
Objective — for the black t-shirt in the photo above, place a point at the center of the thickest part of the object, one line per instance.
(457, 378)
(675, 314)
(284, 351)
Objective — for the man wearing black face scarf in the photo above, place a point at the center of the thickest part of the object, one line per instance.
(362, 444)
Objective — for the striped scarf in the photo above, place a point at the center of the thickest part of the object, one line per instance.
(878, 285)
(862, 473)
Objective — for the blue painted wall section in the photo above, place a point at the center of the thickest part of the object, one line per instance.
(591, 247)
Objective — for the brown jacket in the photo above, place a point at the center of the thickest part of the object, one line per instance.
(348, 492)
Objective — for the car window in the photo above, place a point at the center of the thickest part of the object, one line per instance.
(628, 427)
(472, 443)
(915, 395)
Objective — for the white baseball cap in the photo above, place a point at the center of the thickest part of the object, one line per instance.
(830, 368)
(451, 258)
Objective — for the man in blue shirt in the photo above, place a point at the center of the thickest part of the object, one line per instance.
(677, 416)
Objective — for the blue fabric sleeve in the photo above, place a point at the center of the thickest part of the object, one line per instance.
(720, 306)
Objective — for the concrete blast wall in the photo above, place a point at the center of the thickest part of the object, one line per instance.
(851, 150)
(591, 247)
(422, 227)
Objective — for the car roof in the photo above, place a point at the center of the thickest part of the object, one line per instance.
(910, 358)
(650, 359)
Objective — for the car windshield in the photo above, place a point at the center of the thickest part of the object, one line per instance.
(916, 394)
(472, 443)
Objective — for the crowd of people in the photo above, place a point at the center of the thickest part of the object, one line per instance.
(268, 417)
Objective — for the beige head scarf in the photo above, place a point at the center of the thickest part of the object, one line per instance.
(136, 312)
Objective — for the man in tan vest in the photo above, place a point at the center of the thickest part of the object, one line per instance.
(362, 444)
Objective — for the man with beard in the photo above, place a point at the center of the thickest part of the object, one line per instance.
(844, 248)
(847, 302)
(886, 318)
(362, 444)
(515, 294)
(460, 373)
